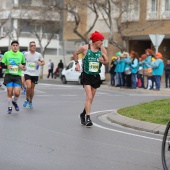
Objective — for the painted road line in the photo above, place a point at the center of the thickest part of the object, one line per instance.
(119, 131)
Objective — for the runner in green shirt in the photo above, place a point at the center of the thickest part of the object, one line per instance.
(14, 62)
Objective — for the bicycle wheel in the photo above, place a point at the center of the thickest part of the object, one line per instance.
(166, 148)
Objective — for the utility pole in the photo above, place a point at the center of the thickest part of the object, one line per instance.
(10, 24)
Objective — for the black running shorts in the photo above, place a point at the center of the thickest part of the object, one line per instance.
(34, 79)
(92, 80)
(12, 78)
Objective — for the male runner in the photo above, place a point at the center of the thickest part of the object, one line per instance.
(94, 56)
(14, 62)
(33, 61)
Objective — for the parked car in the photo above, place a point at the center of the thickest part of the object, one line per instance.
(69, 74)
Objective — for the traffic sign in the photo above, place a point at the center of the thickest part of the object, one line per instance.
(156, 40)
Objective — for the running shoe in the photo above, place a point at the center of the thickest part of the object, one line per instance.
(82, 119)
(9, 110)
(88, 122)
(25, 103)
(16, 106)
(24, 91)
(30, 105)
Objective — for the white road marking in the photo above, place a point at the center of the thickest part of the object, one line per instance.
(68, 95)
(43, 95)
(119, 131)
(39, 91)
(43, 84)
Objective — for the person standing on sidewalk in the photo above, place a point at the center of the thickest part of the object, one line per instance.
(134, 66)
(112, 72)
(167, 74)
(50, 68)
(14, 62)
(94, 55)
(60, 67)
(1, 70)
(158, 68)
(146, 65)
(33, 61)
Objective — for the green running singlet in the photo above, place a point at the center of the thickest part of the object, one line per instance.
(91, 63)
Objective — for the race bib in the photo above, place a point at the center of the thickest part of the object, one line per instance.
(13, 70)
(31, 66)
(93, 66)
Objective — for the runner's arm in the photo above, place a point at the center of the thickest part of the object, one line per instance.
(77, 52)
(104, 59)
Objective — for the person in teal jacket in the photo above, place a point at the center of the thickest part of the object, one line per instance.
(147, 64)
(134, 68)
(120, 67)
(158, 68)
(127, 73)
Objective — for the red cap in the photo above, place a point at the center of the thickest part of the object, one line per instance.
(96, 36)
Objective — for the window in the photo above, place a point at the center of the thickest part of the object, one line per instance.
(167, 5)
(154, 6)
(50, 2)
(131, 10)
(69, 66)
(25, 2)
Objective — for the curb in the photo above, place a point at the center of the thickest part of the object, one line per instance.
(114, 117)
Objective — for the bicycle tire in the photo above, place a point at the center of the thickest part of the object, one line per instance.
(165, 153)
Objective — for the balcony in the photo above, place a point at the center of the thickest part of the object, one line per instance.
(45, 35)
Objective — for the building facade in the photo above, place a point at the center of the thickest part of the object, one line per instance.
(32, 20)
(138, 19)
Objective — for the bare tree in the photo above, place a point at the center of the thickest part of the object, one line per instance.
(43, 23)
(117, 16)
(5, 31)
(75, 9)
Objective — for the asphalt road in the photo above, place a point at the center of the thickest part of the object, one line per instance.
(50, 137)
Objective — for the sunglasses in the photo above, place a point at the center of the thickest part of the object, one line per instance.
(32, 45)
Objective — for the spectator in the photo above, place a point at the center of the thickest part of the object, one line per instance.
(128, 62)
(134, 67)
(140, 71)
(1, 70)
(167, 74)
(112, 72)
(50, 69)
(158, 67)
(120, 67)
(1, 73)
(146, 65)
(56, 73)
(60, 67)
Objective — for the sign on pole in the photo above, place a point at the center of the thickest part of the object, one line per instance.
(156, 40)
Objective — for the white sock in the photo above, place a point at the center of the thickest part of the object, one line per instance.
(15, 99)
(9, 102)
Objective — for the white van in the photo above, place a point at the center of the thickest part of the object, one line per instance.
(70, 74)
